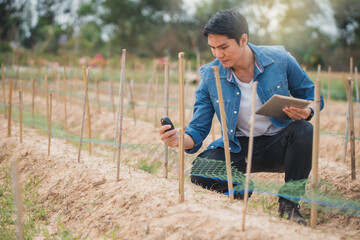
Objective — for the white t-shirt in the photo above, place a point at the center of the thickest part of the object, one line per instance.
(263, 125)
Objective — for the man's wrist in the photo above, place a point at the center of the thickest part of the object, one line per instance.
(310, 115)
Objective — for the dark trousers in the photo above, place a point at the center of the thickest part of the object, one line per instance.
(289, 151)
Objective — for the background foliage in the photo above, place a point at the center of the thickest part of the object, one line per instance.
(156, 28)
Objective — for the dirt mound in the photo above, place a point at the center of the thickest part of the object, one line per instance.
(85, 198)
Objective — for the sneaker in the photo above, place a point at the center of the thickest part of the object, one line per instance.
(291, 210)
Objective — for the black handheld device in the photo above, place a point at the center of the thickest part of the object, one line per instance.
(166, 121)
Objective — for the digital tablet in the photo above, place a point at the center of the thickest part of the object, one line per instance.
(273, 107)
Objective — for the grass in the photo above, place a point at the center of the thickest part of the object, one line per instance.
(152, 167)
(35, 215)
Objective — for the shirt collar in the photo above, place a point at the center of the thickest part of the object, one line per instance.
(261, 61)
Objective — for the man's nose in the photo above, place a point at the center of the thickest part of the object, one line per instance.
(219, 53)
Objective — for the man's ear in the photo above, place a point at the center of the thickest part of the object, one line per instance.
(243, 39)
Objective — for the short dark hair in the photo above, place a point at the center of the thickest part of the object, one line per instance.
(228, 22)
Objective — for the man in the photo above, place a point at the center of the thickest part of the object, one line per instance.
(280, 145)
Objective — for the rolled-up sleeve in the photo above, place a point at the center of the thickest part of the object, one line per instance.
(300, 85)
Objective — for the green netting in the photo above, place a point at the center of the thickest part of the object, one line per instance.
(325, 194)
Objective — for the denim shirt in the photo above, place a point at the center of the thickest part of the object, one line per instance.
(276, 72)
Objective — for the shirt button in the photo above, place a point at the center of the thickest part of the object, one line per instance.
(217, 101)
(237, 93)
(235, 112)
(229, 148)
(278, 86)
(212, 146)
(231, 130)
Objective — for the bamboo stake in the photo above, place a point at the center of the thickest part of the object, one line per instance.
(3, 88)
(166, 112)
(86, 86)
(315, 154)
(97, 95)
(352, 132)
(117, 114)
(250, 153)
(156, 121)
(121, 97)
(49, 122)
(182, 126)
(132, 102)
(347, 113)
(225, 136)
(18, 199)
(33, 101)
(83, 117)
(65, 110)
(329, 85)
(9, 113)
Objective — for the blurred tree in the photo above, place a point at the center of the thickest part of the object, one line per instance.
(47, 32)
(11, 18)
(305, 41)
(134, 22)
(347, 17)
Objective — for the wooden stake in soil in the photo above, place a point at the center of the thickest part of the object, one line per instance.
(9, 103)
(3, 88)
(18, 199)
(182, 126)
(49, 122)
(352, 131)
(166, 113)
(86, 86)
(33, 101)
(83, 117)
(250, 153)
(121, 97)
(315, 154)
(225, 136)
(65, 110)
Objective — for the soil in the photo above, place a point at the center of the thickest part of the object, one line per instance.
(88, 200)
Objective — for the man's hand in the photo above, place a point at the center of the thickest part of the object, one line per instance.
(296, 113)
(170, 138)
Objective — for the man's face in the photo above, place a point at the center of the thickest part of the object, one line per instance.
(225, 49)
